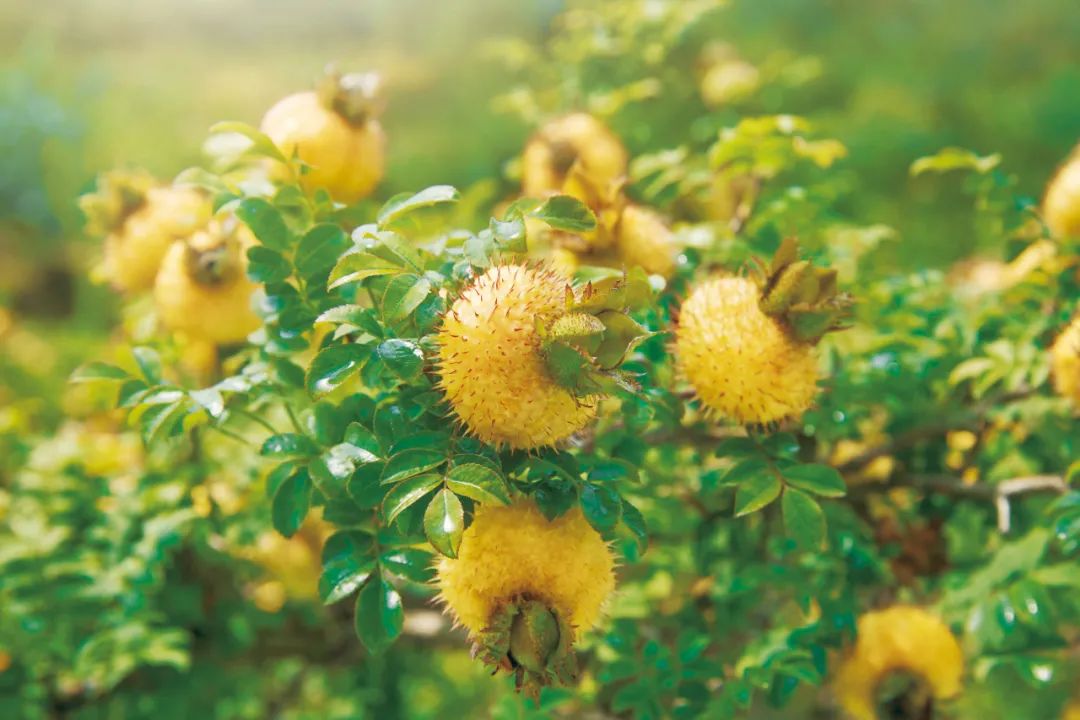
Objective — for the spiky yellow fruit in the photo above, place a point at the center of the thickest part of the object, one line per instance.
(900, 640)
(513, 552)
(557, 146)
(741, 362)
(1061, 205)
(202, 290)
(491, 365)
(1065, 362)
(645, 240)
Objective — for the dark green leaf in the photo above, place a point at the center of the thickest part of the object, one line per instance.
(408, 563)
(634, 521)
(379, 615)
(149, 363)
(478, 482)
(346, 565)
(265, 221)
(406, 493)
(755, 492)
(334, 365)
(411, 462)
(602, 507)
(288, 444)
(803, 519)
(291, 503)
(320, 249)
(266, 265)
(818, 479)
(444, 523)
(404, 357)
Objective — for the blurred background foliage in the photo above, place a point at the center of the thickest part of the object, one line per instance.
(86, 86)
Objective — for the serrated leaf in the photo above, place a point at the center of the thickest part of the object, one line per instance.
(478, 482)
(404, 357)
(379, 615)
(803, 519)
(334, 365)
(320, 249)
(403, 295)
(444, 523)
(564, 212)
(818, 479)
(266, 265)
(291, 502)
(401, 205)
(347, 565)
(601, 506)
(406, 493)
(409, 563)
(634, 521)
(288, 444)
(411, 462)
(265, 222)
(359, 266)
(755, 492)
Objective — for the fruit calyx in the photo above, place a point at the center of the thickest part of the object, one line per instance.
(584, 346)
(213, 261)
(804, 297)
(357, 97)
(903, 694)
(528, 638)
(119, 194)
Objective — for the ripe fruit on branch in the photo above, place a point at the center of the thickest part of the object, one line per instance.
(335, 132)
(139, 220)
(643, 239)
(555, 148)
(526, 587)
(747, 346)
(1061, 205)
(202, 291)
(524, 359)
(1065, 362)
(904, 660)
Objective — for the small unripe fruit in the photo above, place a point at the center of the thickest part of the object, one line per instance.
(339, 138)
(1061, 205)
(741, 362)
(1065, 362)
(493, 372)
(645, 240)
(557, 146)
(202, 290)
(899, 643)
(513, 552)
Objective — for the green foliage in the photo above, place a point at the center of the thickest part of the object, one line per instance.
(144, 557)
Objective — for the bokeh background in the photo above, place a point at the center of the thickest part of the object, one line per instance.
(87, 85)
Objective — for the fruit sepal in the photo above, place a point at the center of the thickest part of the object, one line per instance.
(357, 97)
(119, 194)
(531, 640)
(806, 298)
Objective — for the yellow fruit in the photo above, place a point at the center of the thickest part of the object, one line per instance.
(1065, 362)
(140, 221)
(557, 146)
(1071, 711)
(514, 551)
(492, 370)
(344, 147)
(1061, 205)
(741, 362)
(202, 290)
(899, 641)
(644, 239)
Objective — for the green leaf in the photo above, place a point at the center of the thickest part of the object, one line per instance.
(403, 295)
(320, 249)
(98, 371)
(478, 482)
(402, 204)
(346, 565)
(803, 519)
(334, 365)
(404, 357)
(359, 266)
(261, 144)
(406, 493)
(408, 563)
(265, 222)
(953, 158)
(266, 265)
(564, 212)
(411, 462)
(818, 479)
(755, 492)
(444, 523)
(288, 444)
(149, 363)
(291, 503)
(379, 616)
(602, 507)
(634, 521)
